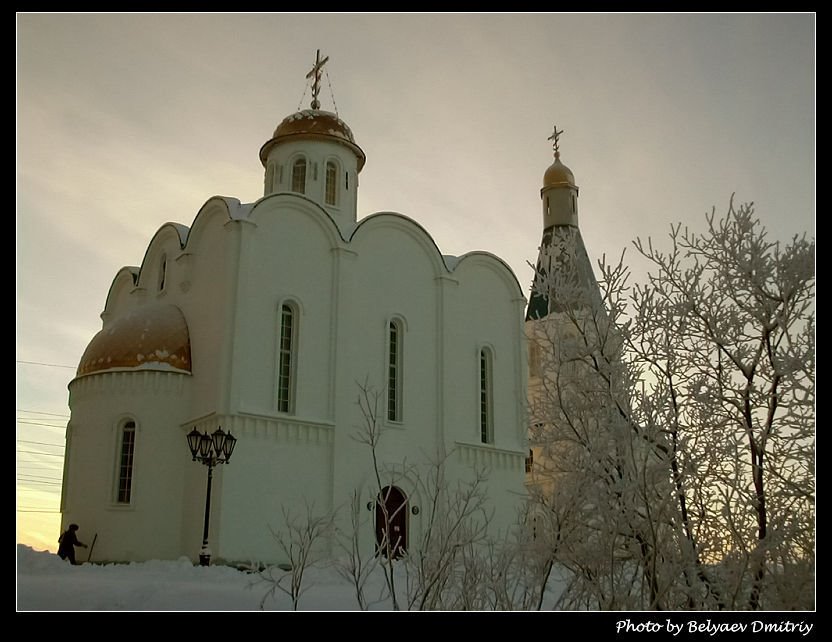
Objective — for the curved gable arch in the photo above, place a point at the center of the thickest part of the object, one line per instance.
(409, 227)
(216, 211)
(493, 263)
(123, 283)
(276, 204)
(168, 239)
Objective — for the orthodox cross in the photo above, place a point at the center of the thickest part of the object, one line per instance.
(316, 83)
(554, 138)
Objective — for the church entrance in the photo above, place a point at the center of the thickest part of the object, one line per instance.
(393, 502)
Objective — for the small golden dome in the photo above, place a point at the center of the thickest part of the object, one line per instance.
(313, 124)
(153, 337)
(558, 175)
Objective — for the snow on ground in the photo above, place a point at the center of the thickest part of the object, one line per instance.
(47, 583)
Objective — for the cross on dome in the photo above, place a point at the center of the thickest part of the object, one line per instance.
(554, 138)
(315, 73)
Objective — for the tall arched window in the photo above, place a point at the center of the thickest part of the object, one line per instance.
(486, 401)
(286, 358)
(331, 183)
(394, 370)
(127, 445)
(299, 176)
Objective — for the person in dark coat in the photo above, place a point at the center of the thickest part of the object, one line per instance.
(68, 541)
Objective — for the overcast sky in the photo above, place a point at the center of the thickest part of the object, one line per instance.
(125, 122)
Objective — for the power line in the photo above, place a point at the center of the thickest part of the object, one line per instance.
(48, 465)
(40, 412)
(38, 423)
(35, 452)
(37, 511)
(42, 443)
(37, 474)
(37, 478)
(24, 482)
(51, 365)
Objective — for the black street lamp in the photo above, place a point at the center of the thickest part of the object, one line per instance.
(210, 450)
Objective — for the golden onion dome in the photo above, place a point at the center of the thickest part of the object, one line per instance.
(313, 124)
(152, 337)
(558, 175)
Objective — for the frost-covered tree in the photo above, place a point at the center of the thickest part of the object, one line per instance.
(675, 422)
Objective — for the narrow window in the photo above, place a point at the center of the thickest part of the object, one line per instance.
(331, 185)
(286, 360)
(279, 176)
(125, 466)
(530, 461)
(486, 432)
(163, 268)
(299, 176)
(574, 204)
(394, 372)
(347, 181)
(269, 178)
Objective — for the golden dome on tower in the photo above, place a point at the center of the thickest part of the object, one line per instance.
(558, 175)
(313, 124)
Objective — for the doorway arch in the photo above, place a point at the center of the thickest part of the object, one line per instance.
(391, 509)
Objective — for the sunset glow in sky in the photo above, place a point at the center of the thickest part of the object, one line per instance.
(126, 121)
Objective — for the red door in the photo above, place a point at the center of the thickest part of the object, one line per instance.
(391, 509)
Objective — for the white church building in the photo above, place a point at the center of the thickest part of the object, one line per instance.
(263, 319)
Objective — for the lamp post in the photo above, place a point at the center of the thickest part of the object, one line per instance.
(210, 450)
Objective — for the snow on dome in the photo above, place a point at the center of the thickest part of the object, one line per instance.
(153, 337)
(313, 124)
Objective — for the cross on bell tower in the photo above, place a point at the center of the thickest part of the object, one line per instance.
(315, 74)
(554, 138)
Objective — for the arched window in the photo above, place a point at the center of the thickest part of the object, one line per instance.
(286, 358)
(394, 370)
(163, 269)
(127, 445)
(331, 183)
(486, 401)
(299, 176)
